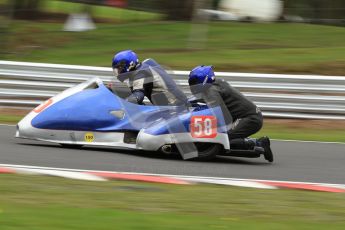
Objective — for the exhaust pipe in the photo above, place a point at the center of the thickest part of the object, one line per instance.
(167, 149)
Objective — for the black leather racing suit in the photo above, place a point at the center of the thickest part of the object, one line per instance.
(247, 117)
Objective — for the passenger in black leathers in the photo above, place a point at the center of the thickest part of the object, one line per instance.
(241, 115)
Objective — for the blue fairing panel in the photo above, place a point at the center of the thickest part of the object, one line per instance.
(89, 110)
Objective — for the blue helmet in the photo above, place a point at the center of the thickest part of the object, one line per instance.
(201, 75)
(124, 62)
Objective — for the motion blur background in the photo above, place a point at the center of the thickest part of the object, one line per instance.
(291, 36)
(249, 36)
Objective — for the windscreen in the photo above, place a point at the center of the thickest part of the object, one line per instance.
(158, 87)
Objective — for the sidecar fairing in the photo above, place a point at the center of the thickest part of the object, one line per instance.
(90, 114)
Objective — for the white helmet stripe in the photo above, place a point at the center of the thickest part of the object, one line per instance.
(205, 80)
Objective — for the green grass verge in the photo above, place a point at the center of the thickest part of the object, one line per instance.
(10, 119)
(229, 46)
(274, 131)
(286, 132)
(41, 202)
(105, 12)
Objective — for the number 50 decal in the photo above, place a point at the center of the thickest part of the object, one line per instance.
(203, 127)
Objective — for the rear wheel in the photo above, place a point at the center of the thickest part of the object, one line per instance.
(206, 151)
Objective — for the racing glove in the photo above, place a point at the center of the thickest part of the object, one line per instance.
(137, 97)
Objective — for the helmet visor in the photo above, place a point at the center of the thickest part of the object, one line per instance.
(119, 68)
(116, 72)
(199, 88)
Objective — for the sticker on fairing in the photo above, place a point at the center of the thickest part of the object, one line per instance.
(89, 137)
(43, 106)
(203, 126)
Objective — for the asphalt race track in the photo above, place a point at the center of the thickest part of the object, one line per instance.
(294, 161)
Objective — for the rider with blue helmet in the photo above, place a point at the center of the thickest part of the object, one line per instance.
(124, 62)
(148, 79)
(247, 117)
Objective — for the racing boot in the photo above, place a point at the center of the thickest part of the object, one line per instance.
(266, 144)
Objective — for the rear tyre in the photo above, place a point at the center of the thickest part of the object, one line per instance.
(206, 151)
(71, 146)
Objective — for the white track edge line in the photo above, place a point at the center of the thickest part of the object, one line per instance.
(7, 125)
(301, 141)
(169, 175)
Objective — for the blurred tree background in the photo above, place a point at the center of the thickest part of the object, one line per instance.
(33, 30)
(26, 9)
(316, 9)
(183, 9)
